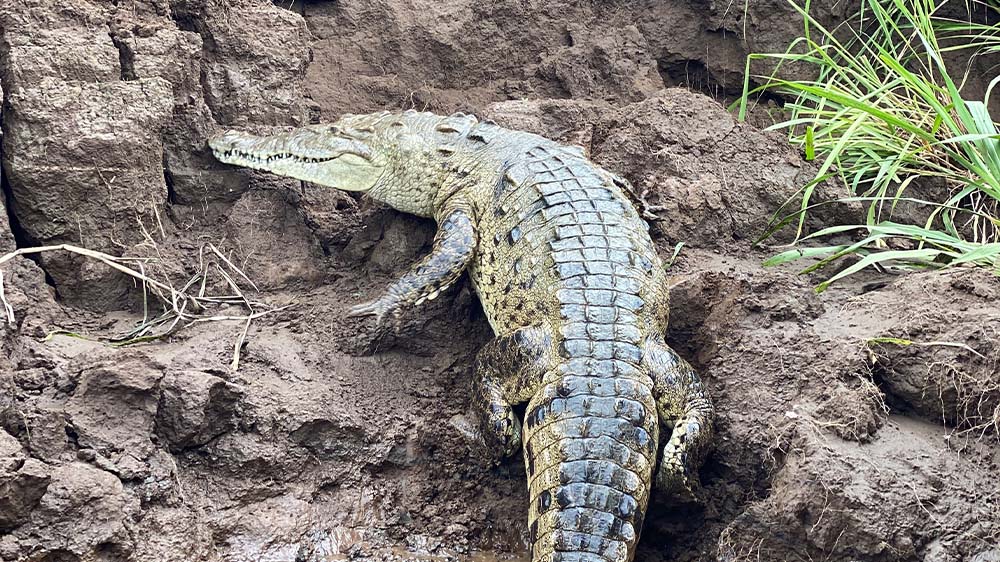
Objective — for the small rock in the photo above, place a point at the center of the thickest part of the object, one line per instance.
(195, 407)
(34, 379)
(112, 409)
(9, 548)
(81, 508)
(330, 440)
(20, 492)
(11, 452)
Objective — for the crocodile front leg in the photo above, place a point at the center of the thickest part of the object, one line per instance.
(508, 371)
(685, 414)
(454, 247)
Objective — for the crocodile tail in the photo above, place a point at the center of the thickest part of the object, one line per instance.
(590, 447)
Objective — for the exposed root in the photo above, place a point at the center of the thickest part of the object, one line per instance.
(729, 549)
(967, 395)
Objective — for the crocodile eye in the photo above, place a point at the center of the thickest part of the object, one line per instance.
(359, 133)
(335, 129)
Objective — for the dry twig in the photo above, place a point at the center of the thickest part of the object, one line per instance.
(181, 309)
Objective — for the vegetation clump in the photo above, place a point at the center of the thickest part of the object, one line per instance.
(886, 117)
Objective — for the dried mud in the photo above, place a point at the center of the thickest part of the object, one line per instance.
(859, 424)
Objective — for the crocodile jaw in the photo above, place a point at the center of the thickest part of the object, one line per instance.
(315, 154)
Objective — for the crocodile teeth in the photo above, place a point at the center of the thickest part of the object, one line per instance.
(251, 157)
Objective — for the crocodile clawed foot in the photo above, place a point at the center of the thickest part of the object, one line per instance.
(382, 309)
(680, 487)
(465, 428)
(375, 308)
(648, 210)
(469, 431)
(493, 450)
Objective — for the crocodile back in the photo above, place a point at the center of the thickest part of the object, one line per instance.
(569, 251)
(558, 225)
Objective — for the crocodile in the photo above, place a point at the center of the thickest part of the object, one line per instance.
(573, 288)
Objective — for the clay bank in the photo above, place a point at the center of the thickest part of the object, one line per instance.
(331, 439)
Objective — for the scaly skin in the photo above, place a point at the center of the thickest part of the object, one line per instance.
(573, 288)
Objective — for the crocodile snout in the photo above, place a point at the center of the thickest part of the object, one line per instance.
(224, 141)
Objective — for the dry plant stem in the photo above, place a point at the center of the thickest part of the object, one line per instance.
(6, 305)
(107, 259)
(231, 266)
(183, 306)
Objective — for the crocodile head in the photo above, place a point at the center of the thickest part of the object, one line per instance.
(394, 157)
(322, 154)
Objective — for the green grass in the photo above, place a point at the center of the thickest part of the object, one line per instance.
(884, 116)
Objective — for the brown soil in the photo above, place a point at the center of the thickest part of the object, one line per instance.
(856, 425)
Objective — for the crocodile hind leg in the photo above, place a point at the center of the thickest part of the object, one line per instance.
(508, 370)
(454, 247)
(685, 414)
